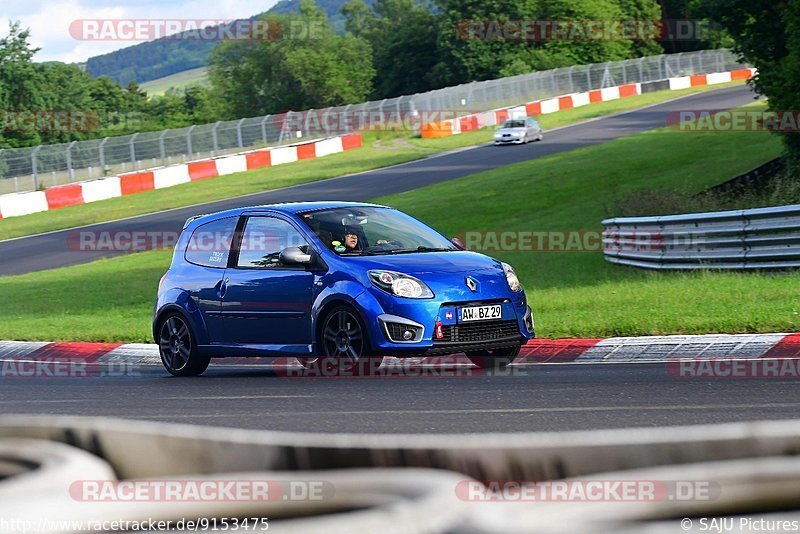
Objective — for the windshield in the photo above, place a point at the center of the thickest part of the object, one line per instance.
(371, 231)
(514, 124)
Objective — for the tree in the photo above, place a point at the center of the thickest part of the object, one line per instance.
(20, 83)
(469, 55)
(309, 66)
(403, 36)
(767, 35)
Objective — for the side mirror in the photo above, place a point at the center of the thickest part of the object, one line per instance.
(294, 256)
(458, 243)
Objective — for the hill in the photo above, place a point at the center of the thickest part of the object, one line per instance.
(153, 60)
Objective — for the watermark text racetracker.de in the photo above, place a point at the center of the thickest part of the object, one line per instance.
(203, 524)
(201, 490)
(144, 30)
(740, 120)
(49, 120)
(488, 241)
(540, 30)
(607, 491)
(64, 367)
(780, 368)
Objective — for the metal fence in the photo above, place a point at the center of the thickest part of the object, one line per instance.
(26, 169)
(761, 238)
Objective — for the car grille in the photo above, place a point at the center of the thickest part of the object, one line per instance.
(477, 332)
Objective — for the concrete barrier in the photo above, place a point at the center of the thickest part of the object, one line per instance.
(15, 205)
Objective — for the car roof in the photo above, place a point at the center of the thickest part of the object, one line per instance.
(288, 208)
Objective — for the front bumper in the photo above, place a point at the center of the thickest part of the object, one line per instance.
(379, 311)
(509, 141)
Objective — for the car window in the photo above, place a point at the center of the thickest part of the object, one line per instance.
(514, 124)
(210, 244)
(263, 240)
(372, 230)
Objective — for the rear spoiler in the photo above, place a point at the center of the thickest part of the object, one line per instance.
(190, 220)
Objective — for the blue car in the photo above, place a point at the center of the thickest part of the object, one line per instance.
(332, 282)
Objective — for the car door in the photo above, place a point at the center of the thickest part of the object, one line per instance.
(267, 302)
(208, 251)
(530, 129)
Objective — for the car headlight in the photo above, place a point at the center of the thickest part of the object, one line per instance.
(511, 278)
(400, 285)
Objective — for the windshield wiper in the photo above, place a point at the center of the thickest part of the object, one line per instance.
(419, 249)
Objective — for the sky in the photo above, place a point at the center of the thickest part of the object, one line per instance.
(49, 20)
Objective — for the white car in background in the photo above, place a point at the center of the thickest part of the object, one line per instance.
(518, 132)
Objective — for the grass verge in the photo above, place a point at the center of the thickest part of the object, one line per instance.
(575, 294)
(381, 149)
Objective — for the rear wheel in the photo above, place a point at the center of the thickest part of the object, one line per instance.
(177, 347)
(494, 359)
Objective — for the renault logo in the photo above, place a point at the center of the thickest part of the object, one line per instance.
(472, 284)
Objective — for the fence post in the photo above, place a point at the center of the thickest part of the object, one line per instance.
(189, 140)
(264, 129)
(34, 167)
(70, 170)
(239, 133)
(102, 150)
(133, 151)
(283, 127)
(162, 148)
(342, 122)
(571, 82)
(214, 138)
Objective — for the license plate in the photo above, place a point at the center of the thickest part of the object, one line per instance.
(481, 313)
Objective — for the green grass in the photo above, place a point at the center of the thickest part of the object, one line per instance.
(390, 148)
(179, 81)
(573, 293)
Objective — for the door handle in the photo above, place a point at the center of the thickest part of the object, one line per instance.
(222, 287)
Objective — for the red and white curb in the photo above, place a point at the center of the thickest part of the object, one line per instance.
(494, 117)
(17, 204)
(537, 351)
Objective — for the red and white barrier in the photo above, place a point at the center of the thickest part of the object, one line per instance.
(592, 350)
(561, 103)
(15, 205)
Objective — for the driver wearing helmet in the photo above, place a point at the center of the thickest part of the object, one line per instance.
(349, 243)
(351, 240)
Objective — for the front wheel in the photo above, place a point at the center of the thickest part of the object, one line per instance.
(494, 359)
(344, 340)
(177, 347)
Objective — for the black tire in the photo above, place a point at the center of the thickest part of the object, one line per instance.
(178, 348)
(494, 359)
(343, 340)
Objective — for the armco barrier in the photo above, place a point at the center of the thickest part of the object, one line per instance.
(17, 204)
(552, 105)
(761, 238)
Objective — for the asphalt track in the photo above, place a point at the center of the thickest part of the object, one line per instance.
(51, 250)
(549, 397)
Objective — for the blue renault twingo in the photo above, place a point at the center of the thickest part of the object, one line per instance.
(333, 282)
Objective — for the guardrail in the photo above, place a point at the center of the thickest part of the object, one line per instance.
(762, 238)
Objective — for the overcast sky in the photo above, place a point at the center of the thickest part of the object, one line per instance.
(49, 20)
